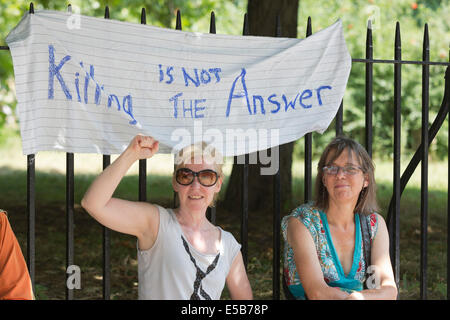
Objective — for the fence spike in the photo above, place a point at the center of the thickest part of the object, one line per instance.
(106, 12)
(398, 40)
(143, 16)
(212, 23)
(278, 26)
(309, 27)
(426, 39)
(178, 25)
(245, 30)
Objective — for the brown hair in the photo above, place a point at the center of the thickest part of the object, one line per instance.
(367, 202)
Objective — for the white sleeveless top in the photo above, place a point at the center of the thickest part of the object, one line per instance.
(172, 269)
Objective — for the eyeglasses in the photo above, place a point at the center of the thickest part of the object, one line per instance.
(207, 178)
(347, 170)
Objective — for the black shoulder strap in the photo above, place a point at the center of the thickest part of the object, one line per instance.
(364, 222)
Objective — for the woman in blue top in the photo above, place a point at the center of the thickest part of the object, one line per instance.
(323, 256)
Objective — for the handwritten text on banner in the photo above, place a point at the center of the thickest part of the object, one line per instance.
(90, 89)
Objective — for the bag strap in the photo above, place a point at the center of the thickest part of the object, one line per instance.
(363, 221)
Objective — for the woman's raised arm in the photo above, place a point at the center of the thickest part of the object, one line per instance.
(131, 217)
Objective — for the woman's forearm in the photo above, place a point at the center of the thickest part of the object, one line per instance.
(103, 187)
(386, 292)
(328, 293)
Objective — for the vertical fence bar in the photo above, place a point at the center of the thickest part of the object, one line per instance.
(339, 119)
(212, 210)
(177, 27)
(276, 231)
(69, 218)
(447, 81)
(276, 210)
(308, 145)
(424, 167)
(70, 253)
(106, 248)
(244, 215)
(397, 149)
(143, 162)
(31, 208)
(106, 232)
(369, 89)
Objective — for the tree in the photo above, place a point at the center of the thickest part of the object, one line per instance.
(262, 16)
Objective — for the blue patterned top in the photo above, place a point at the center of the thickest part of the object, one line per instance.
(316, 222)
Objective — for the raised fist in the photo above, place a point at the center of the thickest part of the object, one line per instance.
(143, 147)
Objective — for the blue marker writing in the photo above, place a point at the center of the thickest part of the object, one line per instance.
(305, 95)
(318, 93)
(128, 110)
(272, 100)
(187, 77)
(261, 103)
(53, 71)
(175, 103)
(242, 94)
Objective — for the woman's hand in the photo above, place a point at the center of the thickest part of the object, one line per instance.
(355, 296)
(143, 147)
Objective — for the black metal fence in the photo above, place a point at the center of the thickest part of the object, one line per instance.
(399, 181)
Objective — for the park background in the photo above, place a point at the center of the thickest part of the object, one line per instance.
(51, 166)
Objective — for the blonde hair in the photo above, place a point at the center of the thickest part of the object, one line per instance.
(204, 151)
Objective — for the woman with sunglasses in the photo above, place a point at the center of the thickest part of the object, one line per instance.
(324, 254)
(181, 255)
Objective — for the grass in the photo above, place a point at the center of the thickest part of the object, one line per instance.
(51, 224)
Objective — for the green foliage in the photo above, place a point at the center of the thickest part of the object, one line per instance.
(384, 14)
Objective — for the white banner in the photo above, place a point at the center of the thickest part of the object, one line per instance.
(88, 85)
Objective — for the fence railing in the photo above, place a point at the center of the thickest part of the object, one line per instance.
(399, 181)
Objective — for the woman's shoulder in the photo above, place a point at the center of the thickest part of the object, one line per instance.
(306, 209)
(3, 218)
(305, 212)
(227, 237)
(166, 216)
(229, 245)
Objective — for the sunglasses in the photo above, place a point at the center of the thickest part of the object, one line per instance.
(206, 178)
